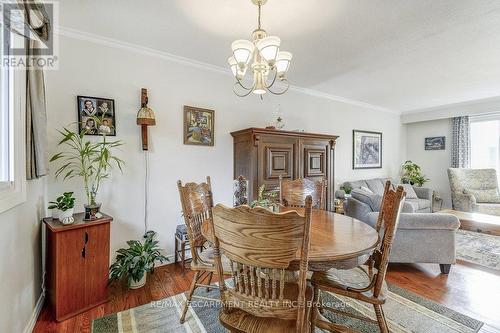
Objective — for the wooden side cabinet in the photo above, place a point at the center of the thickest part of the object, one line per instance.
(77, 264)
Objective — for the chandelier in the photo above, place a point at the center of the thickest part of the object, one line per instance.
(263, 59)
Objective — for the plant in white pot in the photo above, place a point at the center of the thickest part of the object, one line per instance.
(134, 262)
(64, 205)
(89, 160)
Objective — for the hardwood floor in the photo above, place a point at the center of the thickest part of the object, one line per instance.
(468, 289)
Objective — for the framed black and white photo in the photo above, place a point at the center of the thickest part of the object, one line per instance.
(96, 115)
(366, 150)
(435, 143)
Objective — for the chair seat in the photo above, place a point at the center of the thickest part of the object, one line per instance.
(237, 320)
(208, 261)
(339, 281)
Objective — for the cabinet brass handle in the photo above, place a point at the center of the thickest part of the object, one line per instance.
(86, 237)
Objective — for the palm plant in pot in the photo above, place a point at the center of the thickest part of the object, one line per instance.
(134, 262)
(64, 205)
(412, 174)
(90, 160)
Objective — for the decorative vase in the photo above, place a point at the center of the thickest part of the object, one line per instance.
(66, 216)
(92, 212)
(138, 284)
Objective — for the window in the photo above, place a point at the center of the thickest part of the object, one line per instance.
(12, 131)
(485, 142)
(5, 132)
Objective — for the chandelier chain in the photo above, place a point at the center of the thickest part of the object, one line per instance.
(259, 15)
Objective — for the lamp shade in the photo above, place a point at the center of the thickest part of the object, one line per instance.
(238, 72)
(242, 51)
(269, 47)
(283, 62)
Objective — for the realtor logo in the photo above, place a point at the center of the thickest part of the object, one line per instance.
(28, 35)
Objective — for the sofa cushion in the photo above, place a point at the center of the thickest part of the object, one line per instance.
(355, 184)
(376, 185)
(410, 192)
(421, 221)
(373, 200)
(484, 195)
(366, 189)
(487, 208)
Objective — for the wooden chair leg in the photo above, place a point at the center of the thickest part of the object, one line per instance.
(382, 323)
(314, 310)
(176, 252)
(190, 296)
(209, 280)
(183, 255)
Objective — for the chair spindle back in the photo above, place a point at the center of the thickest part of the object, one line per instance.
(292, 193)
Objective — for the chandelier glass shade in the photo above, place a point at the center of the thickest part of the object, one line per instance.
(263, 59)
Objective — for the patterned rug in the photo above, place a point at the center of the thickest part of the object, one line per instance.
(405, 312)
(478, 248)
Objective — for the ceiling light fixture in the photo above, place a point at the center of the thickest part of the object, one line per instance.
(264, 59)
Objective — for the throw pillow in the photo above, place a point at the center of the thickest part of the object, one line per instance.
(366, 189)
(484, 196)
(410, 192)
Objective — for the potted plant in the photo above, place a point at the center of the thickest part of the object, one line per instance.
(134, 262)
(89, 160)
(412, 174)
(64, 205)
(265, 199)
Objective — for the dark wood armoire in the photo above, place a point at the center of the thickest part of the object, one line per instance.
(262, 155)
(77, 265)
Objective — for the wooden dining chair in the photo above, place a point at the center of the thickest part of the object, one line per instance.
(292, 193)
(197, 203)
(260, 246)
(365, 283)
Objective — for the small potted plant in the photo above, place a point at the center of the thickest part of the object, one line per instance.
(412, 174)
(265, 200)
(64, 205)
(134, 262)
(89, 160)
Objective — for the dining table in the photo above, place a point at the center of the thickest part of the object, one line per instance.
(337, 241)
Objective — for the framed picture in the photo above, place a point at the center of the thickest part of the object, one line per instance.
(198, 126)
(435, 143)
(96, 115)
(366, 150)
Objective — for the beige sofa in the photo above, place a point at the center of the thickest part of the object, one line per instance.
(475, 190)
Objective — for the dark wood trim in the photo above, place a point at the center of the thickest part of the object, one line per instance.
(354, 148)
(56, 226)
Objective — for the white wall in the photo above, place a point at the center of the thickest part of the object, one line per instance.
(96, 70)
(434, 163)
(20, 258)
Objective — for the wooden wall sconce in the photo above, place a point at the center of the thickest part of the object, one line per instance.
(145, 118)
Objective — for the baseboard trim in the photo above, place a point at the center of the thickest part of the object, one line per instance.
(34, 316)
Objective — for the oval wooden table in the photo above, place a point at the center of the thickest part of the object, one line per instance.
(337, 241)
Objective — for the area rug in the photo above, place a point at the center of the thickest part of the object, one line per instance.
(478, 248)
(405, 312)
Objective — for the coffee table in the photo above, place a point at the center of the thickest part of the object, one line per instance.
(488, 224)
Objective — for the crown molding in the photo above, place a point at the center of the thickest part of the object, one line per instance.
(119, 44)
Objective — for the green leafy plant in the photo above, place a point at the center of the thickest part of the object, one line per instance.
(64, 202)
(412, 174)
(132, 263)
(346, 188)
(265, 199)
(90, 160)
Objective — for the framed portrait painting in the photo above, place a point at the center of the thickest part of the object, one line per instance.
(96, 115)
(198, 126)
(366, 150)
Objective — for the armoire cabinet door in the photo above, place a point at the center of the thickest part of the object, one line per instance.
(97, 262)
(70, 272)
(278, 159)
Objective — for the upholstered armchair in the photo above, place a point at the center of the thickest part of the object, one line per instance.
(475, 190)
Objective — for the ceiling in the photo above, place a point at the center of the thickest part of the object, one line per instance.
(403, 55)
